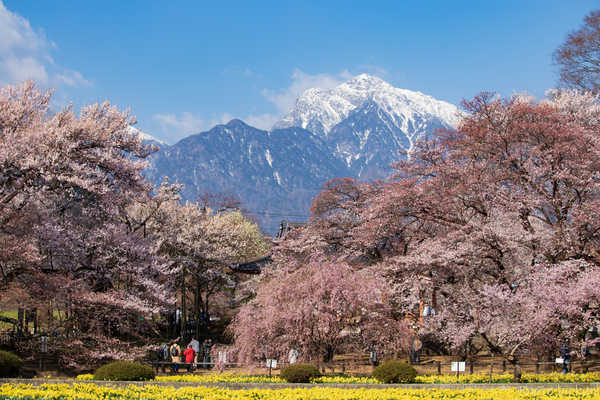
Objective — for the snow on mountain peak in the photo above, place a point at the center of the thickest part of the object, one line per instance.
(320, 110)
(366, 82)
(143, 135)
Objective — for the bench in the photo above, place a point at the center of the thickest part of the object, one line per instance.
(175, 366)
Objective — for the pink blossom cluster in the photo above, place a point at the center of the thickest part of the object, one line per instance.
(494, 228)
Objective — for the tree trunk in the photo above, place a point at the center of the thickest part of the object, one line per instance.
(328, 356)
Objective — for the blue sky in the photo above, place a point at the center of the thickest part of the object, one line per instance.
(183, 66)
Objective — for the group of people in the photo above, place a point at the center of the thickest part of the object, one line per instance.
(190, 355)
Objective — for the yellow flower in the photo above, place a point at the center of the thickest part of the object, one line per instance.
(85, 391)
(84, 377)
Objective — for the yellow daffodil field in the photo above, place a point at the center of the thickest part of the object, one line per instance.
(340, 379)
(555, 377)
(83, 391)
(462, 379)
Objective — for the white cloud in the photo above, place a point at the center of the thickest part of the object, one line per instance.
(20, 69)
(26, 54)
(285, 99)
(221, 119)
(184, 124)
(16, 33)
(72, 78)
(262, 121)
(374, 70)
(178, 126)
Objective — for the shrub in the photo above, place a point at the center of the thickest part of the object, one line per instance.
(395, 371)
(124, 371)
(299, 373)
(10, 365)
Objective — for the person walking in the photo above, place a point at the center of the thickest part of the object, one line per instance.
(373, 356)
(565, 354)
(196, 346)
(163, 352)
(189, 357)
(163, 355)
(417, 345)
(175, 351)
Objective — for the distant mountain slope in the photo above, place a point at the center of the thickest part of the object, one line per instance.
(146, 137)
(276, 174)
(366, 121)
(356, 129)
(320, 110)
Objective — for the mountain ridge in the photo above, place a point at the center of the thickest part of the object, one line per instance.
(275, 173)
(326, 108)
(356, 129)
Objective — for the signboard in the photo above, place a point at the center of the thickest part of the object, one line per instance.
(458, 366)
(293, 356)
(44, 348)
(222, 357)
(559, 361)
(427, 311)
(271, 363)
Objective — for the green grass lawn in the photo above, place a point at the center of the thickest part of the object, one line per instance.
(10, 314)
(15, 314)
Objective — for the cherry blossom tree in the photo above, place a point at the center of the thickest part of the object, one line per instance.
(336, 216)
(475, 214)
(83, 234)
(199, 245)
(579, 56)
(490, 224)
(557, 304)
(317, 309)
(66, 183)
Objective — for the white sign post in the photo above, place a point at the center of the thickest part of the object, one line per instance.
(293, 356)
(458, 367)
(271, 363)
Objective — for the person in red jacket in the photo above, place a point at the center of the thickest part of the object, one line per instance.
(189, 356)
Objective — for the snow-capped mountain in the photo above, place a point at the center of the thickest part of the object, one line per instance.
(320, 110)
(366, 121)
(356, 129)
(145, 137)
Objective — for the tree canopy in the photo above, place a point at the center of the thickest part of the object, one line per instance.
(579, 56)
(490, 225)
(84, 237)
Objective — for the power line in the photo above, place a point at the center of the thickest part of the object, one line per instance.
(276, 214)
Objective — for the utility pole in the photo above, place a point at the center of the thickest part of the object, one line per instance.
(198, 302)
(183, 307)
